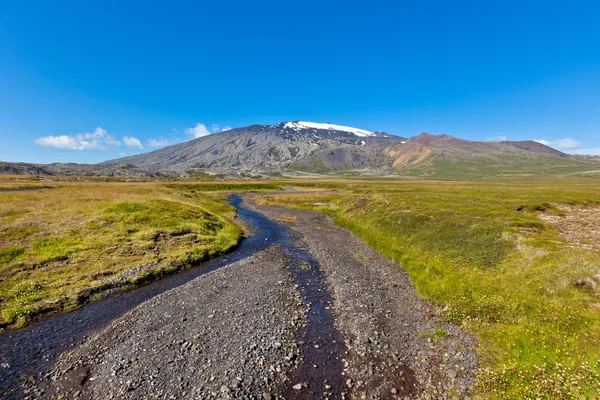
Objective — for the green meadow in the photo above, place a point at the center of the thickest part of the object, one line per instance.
(63, 244)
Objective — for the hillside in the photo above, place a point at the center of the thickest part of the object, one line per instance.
(447, 157)
(273, 149)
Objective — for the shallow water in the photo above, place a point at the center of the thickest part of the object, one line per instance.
(31, 351)
(322, 346)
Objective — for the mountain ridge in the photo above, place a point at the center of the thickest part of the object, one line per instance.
(301, 148)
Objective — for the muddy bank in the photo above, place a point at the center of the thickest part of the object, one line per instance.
(394, 350)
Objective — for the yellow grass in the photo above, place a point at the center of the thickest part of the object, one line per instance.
(60, 246)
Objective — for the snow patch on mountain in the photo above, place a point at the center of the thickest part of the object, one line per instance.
(316, 125)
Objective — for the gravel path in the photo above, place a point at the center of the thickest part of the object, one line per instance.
(229, 333)
(383, 322)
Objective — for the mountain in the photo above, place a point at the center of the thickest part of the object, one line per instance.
(293, 147)
(444, 156)
(305, 148)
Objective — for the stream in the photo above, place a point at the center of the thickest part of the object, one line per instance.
(29, 353)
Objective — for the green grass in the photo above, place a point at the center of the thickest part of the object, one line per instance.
(438, 334)
(483, 254)
(534, 167)
(59, 247)
(9, 254)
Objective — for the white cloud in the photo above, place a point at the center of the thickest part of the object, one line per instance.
(563, 144)
(200, 130)
(132, 142)
(161, 142)
(98, 140)
(217, 128)
(567, 143)
(589, 152)
(197, 131)
(496, 139)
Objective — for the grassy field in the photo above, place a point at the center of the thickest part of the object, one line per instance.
(518, 168)
(66, 242)
(483, 253)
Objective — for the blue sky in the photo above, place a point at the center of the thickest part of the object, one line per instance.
(107, 78)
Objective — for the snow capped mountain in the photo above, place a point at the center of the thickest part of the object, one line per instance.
(301, 125)
(297, 146)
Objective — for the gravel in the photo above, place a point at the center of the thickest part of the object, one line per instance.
(228, 334)
(383, 322)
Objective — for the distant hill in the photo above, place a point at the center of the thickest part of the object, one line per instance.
(70, 169)
(307, 148)
(447, 157)
(535, 147)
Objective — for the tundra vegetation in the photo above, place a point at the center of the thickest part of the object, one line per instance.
(486, 254)
(66, 243)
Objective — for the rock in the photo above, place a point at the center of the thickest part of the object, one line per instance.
(585, 283)
(349, 383)
(297, 386)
